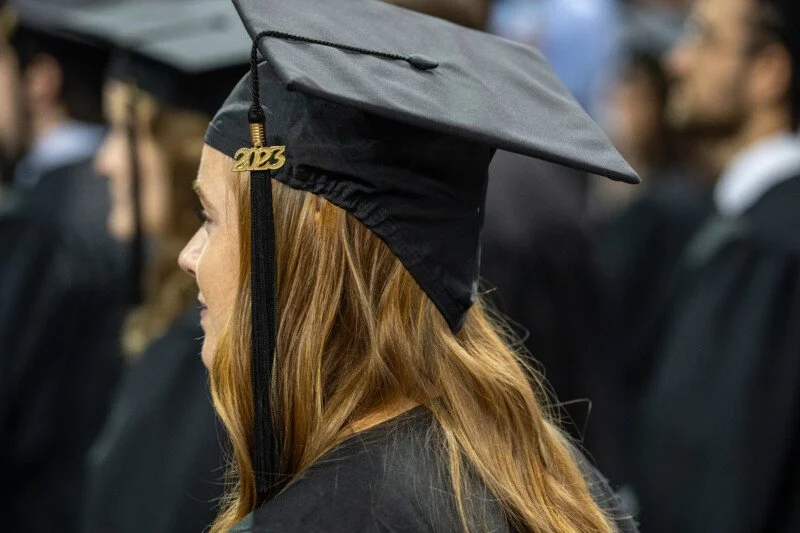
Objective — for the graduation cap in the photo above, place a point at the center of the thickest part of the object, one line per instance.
(184, 53)
(51, 17)
(393, 116)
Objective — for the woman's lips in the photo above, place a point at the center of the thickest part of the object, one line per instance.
(203, 308)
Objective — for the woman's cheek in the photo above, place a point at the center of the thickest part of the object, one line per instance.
(224, 259)
(208, 277)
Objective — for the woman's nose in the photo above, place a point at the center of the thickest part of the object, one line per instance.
(190, 254)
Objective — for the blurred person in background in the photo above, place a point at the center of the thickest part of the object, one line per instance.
(59, 307)
(640, 244)
(53, 128)
(717, 446)
(58, 375)
(59, 125)
(158, 465)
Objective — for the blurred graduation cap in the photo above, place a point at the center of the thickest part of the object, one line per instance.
(187, 54)
(51, 17)
(393, 116)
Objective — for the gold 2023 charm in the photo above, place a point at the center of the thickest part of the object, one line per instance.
(259, 157)
(262, 158)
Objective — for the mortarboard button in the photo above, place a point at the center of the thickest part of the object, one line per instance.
(422, 62)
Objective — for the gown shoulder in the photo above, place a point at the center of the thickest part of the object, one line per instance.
(392, 479)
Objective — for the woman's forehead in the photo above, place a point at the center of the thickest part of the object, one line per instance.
(214, 162)
(214, 173)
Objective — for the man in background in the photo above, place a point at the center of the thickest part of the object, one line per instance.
(54, 81)
(60, 291)
(718, 445)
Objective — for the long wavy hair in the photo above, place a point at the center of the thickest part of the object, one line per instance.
(357, 334)
(167, 291)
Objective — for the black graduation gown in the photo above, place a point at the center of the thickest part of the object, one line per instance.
(639, 252)
(76, 200)
(57, 371)
(390, 478)
(719, 429)
(158, 465)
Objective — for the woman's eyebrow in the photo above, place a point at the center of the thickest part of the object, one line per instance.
(198, 190)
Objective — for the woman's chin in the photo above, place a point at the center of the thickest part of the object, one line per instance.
(207, 353)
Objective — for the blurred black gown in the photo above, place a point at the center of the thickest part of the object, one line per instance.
(393, 478)
(74, 198)
(158, 465)
(719, 433)
(639, 251)
(59, 318)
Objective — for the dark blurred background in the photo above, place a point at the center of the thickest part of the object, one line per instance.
(665, 317)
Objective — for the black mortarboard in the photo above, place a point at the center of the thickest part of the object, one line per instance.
(52, 18)
(393, 116)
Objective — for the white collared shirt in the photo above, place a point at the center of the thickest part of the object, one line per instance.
(65, 144)
(755, 172)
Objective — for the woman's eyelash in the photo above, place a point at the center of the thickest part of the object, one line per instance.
(203, 216)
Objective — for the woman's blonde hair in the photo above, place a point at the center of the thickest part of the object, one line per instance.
(357, 333)
(168, 292)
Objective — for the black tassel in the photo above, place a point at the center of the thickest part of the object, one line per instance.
(266, 445)
(267, 439)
